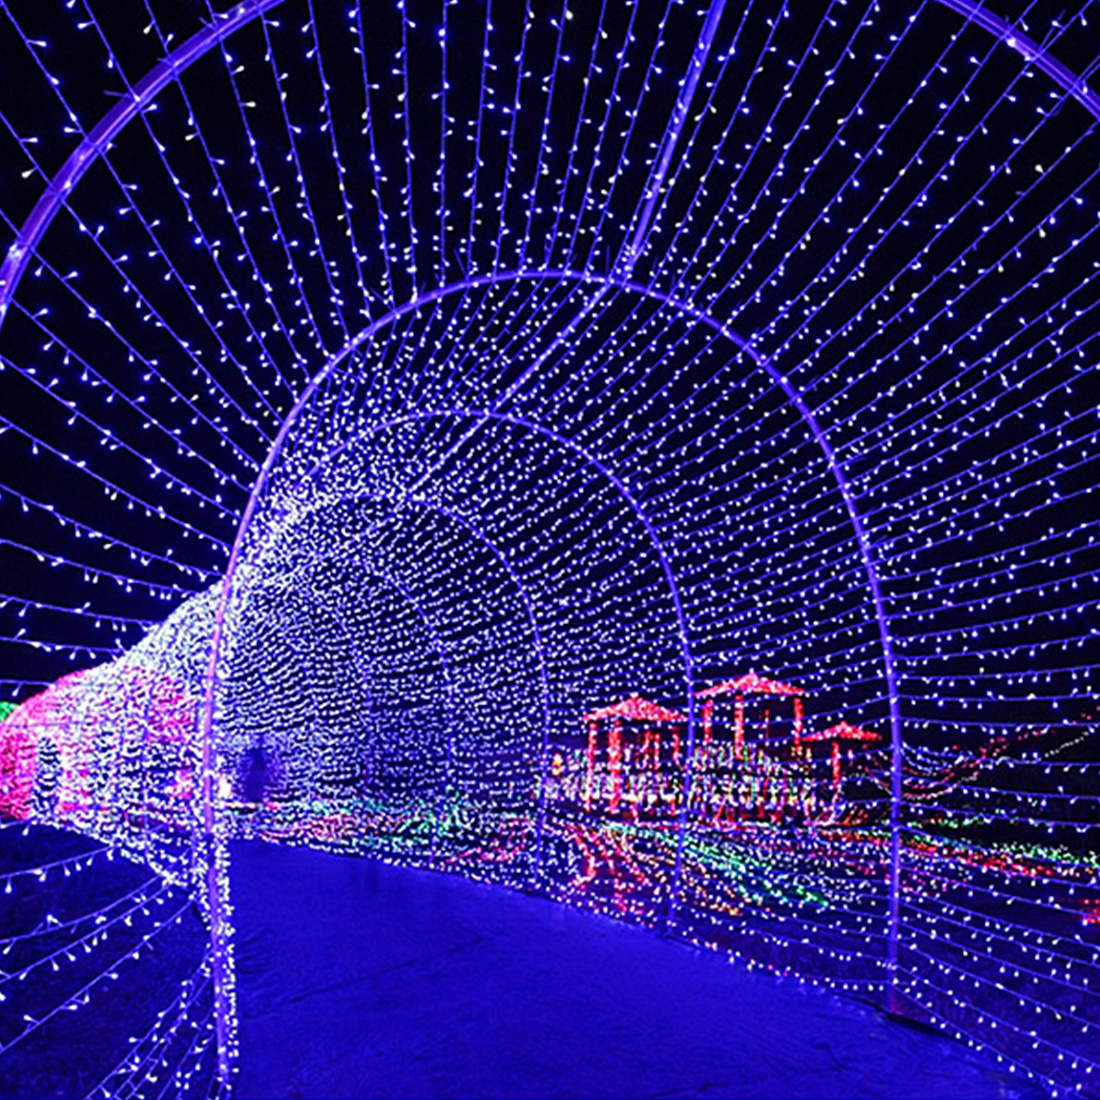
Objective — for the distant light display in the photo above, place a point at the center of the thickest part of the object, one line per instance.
(639, 453)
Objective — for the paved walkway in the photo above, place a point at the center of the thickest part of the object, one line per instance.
(362, 980)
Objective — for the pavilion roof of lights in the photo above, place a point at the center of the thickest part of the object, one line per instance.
(635, 709)
(750, 684)
(381, 384)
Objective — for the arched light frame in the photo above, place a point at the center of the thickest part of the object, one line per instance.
(96, 142)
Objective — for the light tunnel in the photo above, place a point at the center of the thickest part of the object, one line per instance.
(638, 454)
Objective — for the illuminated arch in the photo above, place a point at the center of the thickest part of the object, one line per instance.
(96, 142)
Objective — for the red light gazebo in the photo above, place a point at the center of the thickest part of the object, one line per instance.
(750, 684)
(651, 716)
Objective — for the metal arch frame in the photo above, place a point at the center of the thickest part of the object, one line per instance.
(95, 143)
(602, 283)
(455, 413)
(975, 12)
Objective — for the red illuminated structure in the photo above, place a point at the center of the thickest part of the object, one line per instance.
(745, 767)
(749, 685)
(633, 726)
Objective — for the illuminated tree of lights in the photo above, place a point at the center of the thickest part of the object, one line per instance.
(644, 454)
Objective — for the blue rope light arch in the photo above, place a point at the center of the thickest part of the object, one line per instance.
(651, 264)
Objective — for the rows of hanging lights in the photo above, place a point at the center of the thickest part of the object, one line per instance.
(642, 454)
